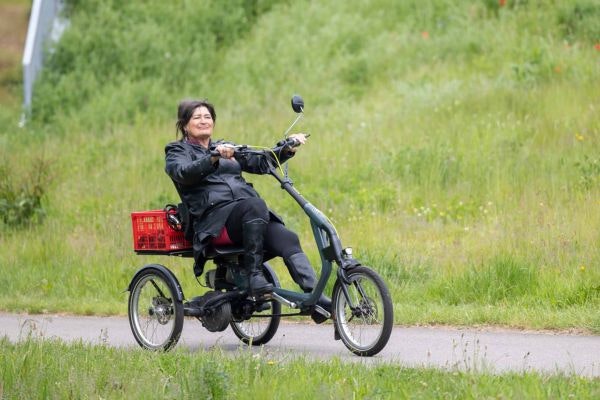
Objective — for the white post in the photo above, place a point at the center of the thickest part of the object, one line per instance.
(42, 22)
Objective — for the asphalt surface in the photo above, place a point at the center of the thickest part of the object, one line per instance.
(487, 350)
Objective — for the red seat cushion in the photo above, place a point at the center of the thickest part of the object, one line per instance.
(222, 240)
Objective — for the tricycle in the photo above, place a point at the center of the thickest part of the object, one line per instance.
(362, 310)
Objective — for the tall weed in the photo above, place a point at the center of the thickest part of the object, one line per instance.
(500, 280)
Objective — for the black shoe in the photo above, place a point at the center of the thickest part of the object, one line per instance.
(325, 303)
(258, 284)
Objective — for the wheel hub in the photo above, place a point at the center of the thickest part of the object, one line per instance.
(162, 309)
(367, 310)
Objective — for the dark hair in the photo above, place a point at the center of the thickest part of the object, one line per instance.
(186, 110)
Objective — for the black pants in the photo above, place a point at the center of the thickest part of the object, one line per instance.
(278, 241)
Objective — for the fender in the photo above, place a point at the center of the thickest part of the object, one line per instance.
(168, 274)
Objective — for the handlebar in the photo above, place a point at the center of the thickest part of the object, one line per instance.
(237, 148)
(291, 142)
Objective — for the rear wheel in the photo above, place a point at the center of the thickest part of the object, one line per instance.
(155, 314)
(263, 324)
(365, 323)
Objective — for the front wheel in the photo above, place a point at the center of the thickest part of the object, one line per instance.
(263, 324)
(365, 321)
(155, 313)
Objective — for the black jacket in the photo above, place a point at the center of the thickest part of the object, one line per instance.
(210, 191)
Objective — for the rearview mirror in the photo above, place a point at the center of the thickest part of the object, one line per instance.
(297, 103)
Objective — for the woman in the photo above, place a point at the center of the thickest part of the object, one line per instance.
(218, 197)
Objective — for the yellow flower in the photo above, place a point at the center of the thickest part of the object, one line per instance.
(582, 268)
(579, 137)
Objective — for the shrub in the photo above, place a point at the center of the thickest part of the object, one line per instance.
(21, 196)
(589, 172)
(581, 21)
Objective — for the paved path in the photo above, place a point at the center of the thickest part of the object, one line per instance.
(465, 349)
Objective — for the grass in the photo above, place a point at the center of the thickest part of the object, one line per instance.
(454, 145)
(82, 371)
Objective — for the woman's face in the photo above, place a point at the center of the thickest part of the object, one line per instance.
(201, 124)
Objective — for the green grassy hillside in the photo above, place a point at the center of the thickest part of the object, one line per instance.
(455, 145)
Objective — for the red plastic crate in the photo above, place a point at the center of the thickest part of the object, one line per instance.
(152, 233)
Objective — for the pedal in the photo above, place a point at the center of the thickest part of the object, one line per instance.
(319, 314)
(261, 297)
(322, 311)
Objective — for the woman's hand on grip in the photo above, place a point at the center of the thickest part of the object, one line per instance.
(224, 150)
(299, 138)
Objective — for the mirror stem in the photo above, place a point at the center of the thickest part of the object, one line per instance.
(285, 135)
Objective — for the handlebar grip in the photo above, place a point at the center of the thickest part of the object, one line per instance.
(215, 153)
(293, 142)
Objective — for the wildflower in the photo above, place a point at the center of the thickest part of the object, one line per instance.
(501, 3)
(597, 46)
(579, 137)
(425, 35)
(557, 69)
(582, 268)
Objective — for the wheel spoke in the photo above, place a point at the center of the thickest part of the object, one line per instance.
(359, 288)
(148, 321)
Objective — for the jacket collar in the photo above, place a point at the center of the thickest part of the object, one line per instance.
(198, 145)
